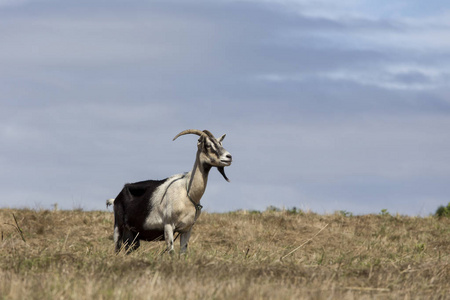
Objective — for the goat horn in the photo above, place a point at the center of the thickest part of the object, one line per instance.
(189, 131)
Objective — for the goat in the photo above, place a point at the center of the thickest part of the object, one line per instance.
(153, 209)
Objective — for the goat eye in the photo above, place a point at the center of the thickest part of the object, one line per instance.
(208, 145)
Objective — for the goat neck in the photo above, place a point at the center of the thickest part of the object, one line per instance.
(199, 178)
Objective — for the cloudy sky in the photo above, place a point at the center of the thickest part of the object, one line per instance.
(327, 105)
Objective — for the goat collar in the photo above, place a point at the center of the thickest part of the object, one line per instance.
(198, 206)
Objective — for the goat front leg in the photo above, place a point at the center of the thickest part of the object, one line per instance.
(168, 236)
(184, 240)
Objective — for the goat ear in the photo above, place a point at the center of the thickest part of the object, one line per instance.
(221, 138)
(222, 171)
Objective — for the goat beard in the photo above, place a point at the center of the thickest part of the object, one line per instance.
(222, 171)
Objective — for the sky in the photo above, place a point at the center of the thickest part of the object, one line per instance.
(327, 105)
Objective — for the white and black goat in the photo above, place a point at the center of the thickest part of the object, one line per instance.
(153, 209)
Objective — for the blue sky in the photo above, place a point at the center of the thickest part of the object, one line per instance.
(326, 105)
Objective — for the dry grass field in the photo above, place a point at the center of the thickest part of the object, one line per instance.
(240, 255)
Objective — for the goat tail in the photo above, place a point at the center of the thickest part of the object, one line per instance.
(110, 202)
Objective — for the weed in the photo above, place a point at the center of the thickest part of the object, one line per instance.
(420, 248)
(294, 210)
(345, 213)
(384, 212)
(272, 208)
(17, 227)
(443, 211)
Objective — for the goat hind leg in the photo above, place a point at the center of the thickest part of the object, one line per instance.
(118, 238)
(129, 240)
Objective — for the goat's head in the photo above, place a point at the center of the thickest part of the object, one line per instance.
(210, 150)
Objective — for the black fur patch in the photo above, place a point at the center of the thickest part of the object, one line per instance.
(134, 199)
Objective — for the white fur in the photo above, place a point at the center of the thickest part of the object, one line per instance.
(109, 202)
(116, 234)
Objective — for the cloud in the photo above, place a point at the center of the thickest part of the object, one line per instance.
(325, 107)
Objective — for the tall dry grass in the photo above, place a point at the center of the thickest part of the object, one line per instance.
(240, 255)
